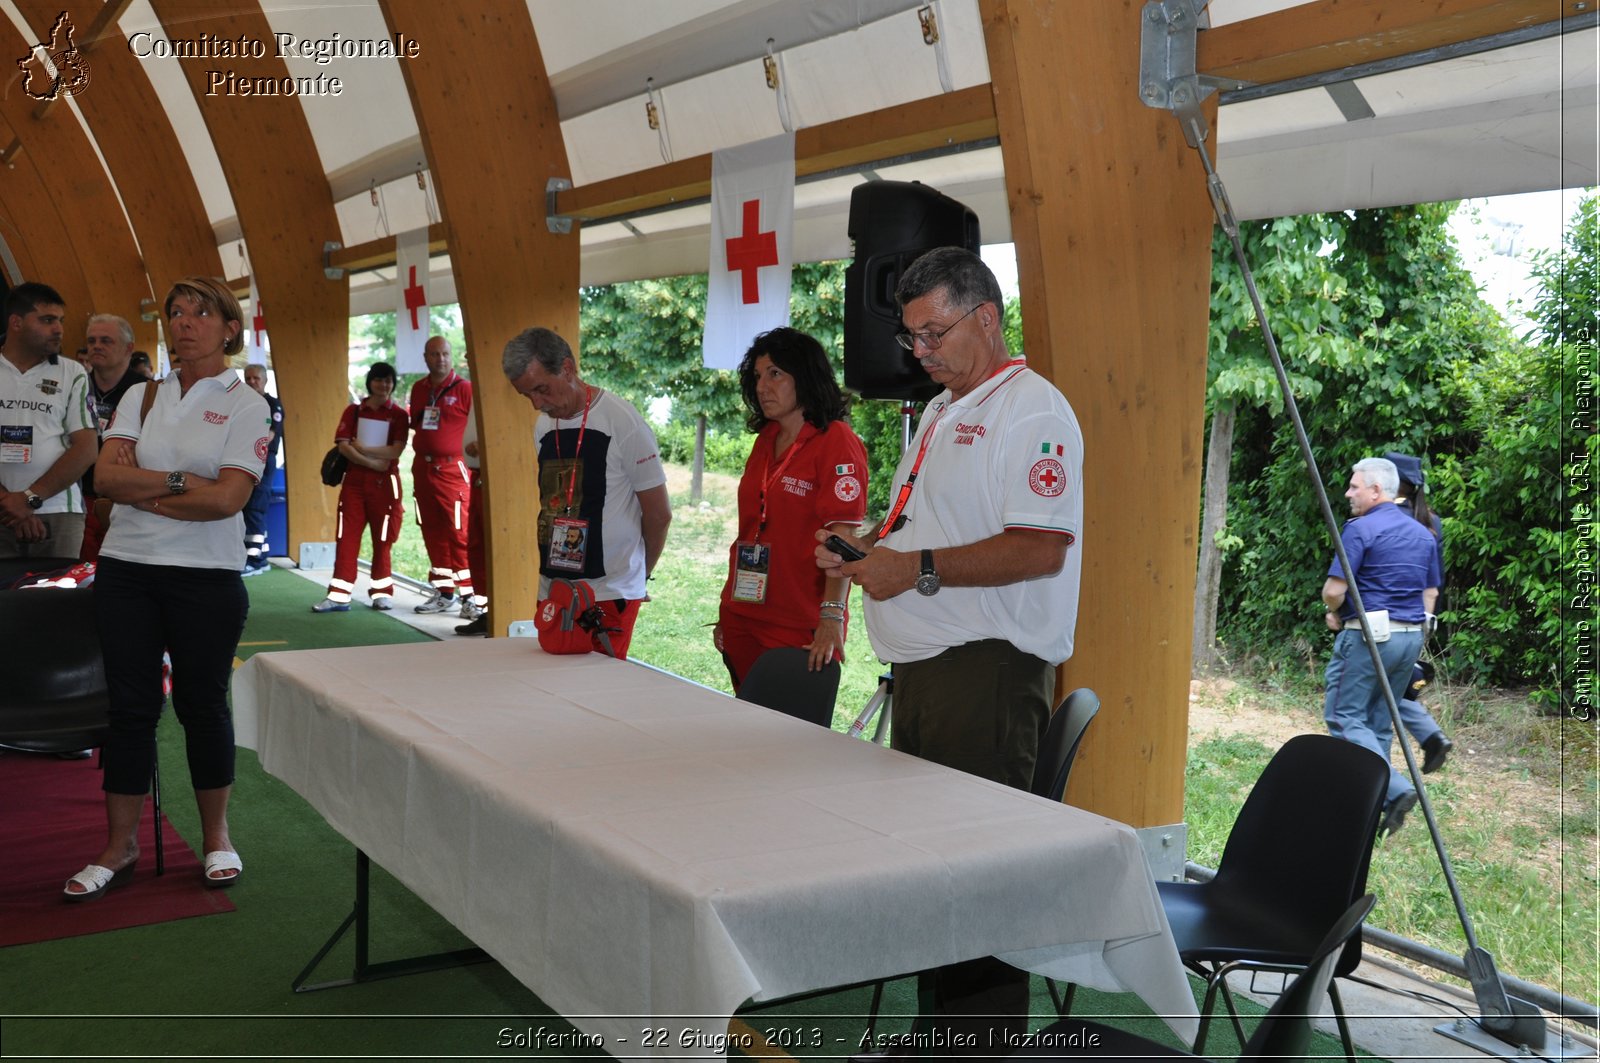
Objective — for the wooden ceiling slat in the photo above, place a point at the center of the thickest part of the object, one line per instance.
(135, 137)
(1333, 34)
(88, 217)
(285, 211)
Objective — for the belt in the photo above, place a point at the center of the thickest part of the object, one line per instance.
(436, 458)
(1394, 625)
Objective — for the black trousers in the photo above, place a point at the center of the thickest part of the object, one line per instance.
(195, 615)
(981, 708)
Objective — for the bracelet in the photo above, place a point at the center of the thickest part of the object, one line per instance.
(833, 605)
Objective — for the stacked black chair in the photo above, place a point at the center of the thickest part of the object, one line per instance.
(1284, 1032)
(53, 696)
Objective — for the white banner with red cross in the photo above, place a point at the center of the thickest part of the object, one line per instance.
(255, 336)
(411, 291)
(752, 245)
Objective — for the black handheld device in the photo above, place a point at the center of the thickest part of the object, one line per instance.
(842, 548)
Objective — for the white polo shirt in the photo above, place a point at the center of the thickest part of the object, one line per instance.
(39, 411)
(221, 423)
(1007, 455)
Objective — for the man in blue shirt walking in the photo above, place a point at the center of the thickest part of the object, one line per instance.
(1394, 562)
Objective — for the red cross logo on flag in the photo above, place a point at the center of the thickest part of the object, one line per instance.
(258, 323)
(411, 300)
(415, 298)
(752, 224)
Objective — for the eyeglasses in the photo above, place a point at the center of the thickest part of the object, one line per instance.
(932, 339)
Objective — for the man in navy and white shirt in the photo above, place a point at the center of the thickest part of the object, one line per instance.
(48, 436)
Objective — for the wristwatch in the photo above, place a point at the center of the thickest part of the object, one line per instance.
(177, 483)
(928, 579)
(33, 500)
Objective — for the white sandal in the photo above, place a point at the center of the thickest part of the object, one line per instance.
(95, 880)
(222, 860)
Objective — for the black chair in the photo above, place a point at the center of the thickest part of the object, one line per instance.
(780, 680)
(1057, 752)
(1296, 859)
(1284, 1032)
(53, 696)
(1061, 740)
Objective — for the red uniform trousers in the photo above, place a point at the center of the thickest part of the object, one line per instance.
(368, 501)
(443, 496)
(744, 639)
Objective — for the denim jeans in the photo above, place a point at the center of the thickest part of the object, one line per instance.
(1354, 709)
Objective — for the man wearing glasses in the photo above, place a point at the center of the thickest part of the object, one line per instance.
(971, 581)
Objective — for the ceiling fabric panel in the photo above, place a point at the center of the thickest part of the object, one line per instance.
(1514, 119)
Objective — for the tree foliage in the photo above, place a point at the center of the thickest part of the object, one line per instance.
(1389, 347)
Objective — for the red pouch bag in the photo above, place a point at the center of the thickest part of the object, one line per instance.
(571, 621)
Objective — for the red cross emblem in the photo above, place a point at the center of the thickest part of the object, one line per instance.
(415, 299)
(751, 250)
(1047, 478)
(258, 323)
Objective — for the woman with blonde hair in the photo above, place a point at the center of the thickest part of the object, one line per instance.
(180, 459)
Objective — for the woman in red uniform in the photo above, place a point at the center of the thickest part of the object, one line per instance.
(806, 470)
(371, 435)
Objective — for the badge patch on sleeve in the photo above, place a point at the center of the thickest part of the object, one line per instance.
(261, 447)
(847, 488)
(1047, 477)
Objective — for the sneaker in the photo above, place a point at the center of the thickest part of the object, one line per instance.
(383, 603)
(328, 605)
(469, 611)
(439, 603)
(256, 567)
(478, 626)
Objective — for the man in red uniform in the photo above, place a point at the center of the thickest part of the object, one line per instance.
(440, 405)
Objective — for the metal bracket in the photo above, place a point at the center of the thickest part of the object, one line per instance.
(329, 270)
(1168, 80)
(553, 218)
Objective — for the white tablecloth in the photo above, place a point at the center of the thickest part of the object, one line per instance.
(631, 846)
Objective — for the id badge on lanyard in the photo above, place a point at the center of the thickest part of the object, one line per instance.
(430, 418)
(752, 563)
(569, 543)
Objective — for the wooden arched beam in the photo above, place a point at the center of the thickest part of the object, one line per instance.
(136, 139)
(492, 137)
(1113, 234)
(285, 210)
(34, 232)
(90, 221)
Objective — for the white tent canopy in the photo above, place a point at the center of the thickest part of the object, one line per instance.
(1519, 116)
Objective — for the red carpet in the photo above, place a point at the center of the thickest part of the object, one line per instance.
(52, 822)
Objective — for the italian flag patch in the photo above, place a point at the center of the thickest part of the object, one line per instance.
(1052, 448)
(844, 470)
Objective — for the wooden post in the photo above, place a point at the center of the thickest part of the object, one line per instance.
(493, 139)
(1113, 234)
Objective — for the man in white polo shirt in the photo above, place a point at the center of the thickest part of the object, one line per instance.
(48, 431)
(971, 582)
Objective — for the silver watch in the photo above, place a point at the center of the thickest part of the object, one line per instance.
(928, 579)
(177, 483)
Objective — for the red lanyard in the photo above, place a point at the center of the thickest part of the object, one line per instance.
(768, 481)
(904, 496)
(572, 481)
(890, 522)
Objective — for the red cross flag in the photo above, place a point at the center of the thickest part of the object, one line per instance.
(411, 310)
(752, 227)
(255, 336)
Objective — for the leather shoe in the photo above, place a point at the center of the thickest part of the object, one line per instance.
(1394, 813)
(1434, 752)
(479, 626)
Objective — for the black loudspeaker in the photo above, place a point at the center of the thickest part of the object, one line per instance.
(892, 224)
